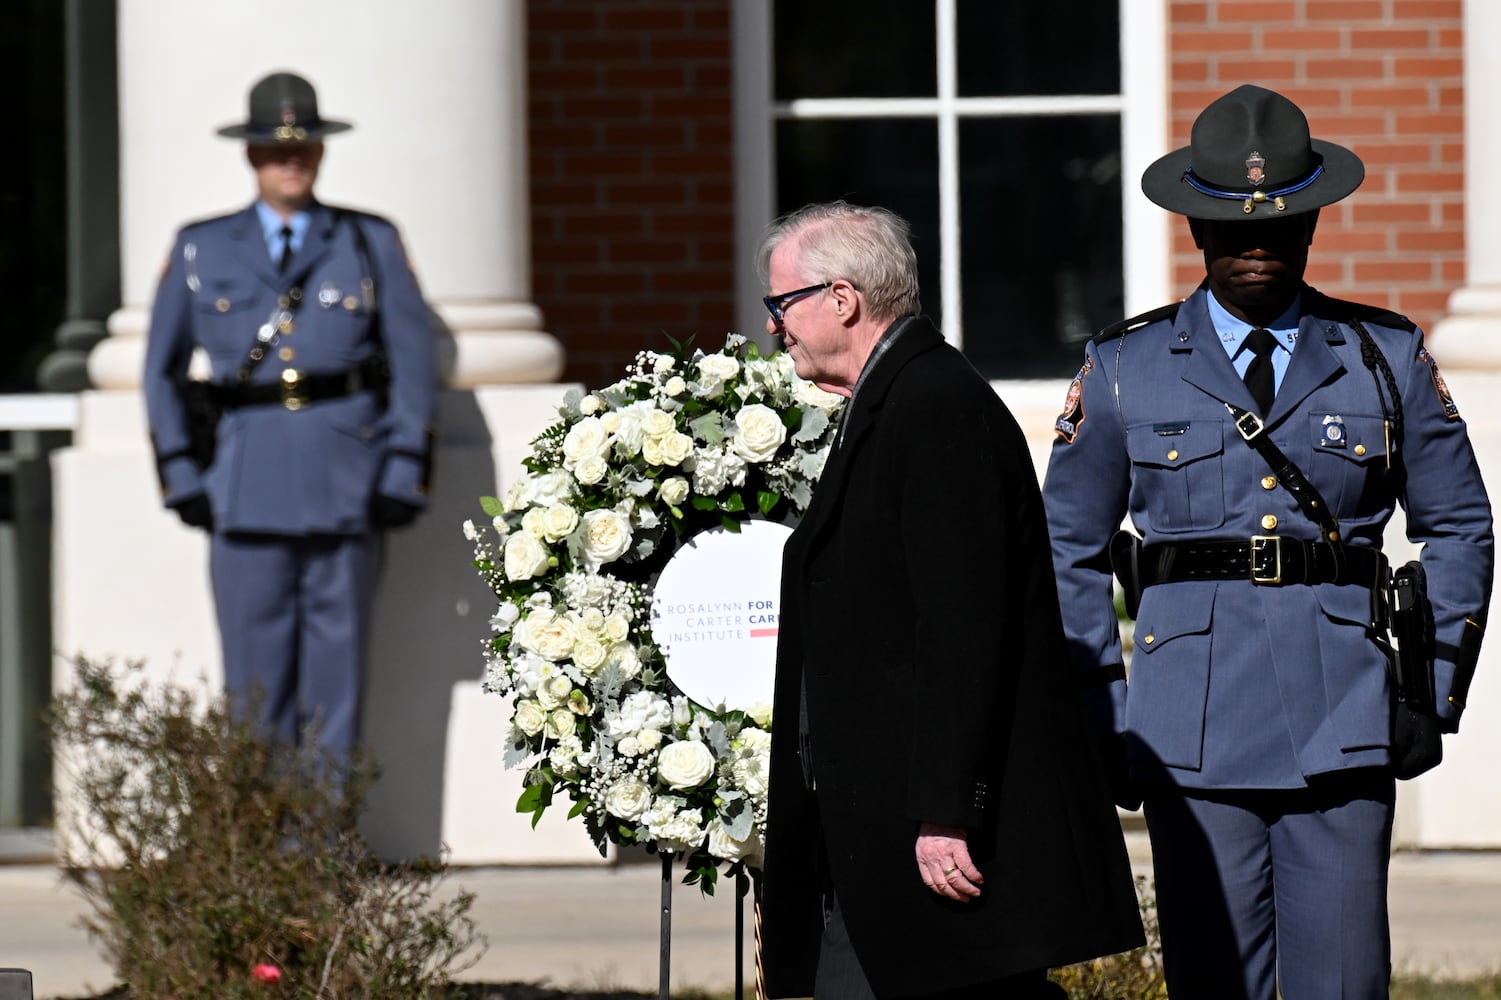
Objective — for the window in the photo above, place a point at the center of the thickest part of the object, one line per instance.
(998, 130)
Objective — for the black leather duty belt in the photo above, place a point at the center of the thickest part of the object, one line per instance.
(1265, 560)
(293, 389)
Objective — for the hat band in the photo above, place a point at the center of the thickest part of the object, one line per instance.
(1253, 198)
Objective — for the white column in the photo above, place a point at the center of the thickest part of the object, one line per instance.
(437, 95)
(1470, 335)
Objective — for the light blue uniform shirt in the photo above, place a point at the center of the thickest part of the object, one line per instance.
(271, 224)
(1233, 333)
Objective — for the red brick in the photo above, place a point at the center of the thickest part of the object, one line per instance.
(1452, 213)
(694, 107)
(1342, 10)
(643, 19)
(715, 76)
(589, 106)
(651, 135)
(1327, 240)
(1429, 67)
(643, 76)
(1391, 97)
(1431, 240)
(614, 49)
(551, 19)
(647, 252)
(1390, 212)
(1324, 273)
(1422, 306)
(713, 17)
(1188, 13)
(572, 253)
(1387, 39)
(1428, 10)
(1261, 12)
(605, 223)
(1429, 181)
(553, 136)
(1393, 271)
(1453, 272)
(645, 193)
(568, 77)
(1273, 73)
(1308, 41)
(1190, 71)
(1393, 153)
(607, 164)
(1211, 41)
(546, 191)
(1442, 123)
(681, 164)
(1353, 69)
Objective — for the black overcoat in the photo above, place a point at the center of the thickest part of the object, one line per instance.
(919, 607)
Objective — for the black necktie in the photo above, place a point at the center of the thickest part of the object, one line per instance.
(286, 248)
(1259, 377)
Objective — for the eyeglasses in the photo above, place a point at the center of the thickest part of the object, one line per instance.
(777, 304)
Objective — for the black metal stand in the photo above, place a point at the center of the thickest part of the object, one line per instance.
(665, 967)
(739, 944)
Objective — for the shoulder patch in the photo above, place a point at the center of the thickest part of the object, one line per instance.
(1168, 312)
(1067, 424)
(1445, 398)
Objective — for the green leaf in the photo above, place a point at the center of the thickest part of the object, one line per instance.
(701, 502)
(729, 523)
(492, 506)
(766, 500)
(734, 503)
(531, 795)
(578, 808)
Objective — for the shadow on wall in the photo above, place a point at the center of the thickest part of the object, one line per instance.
(430, 621)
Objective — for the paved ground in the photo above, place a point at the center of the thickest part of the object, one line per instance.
(598, 927)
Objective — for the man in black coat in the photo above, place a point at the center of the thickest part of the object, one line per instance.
(938, 823)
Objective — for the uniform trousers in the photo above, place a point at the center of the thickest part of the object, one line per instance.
(294, 614)
(1258, 889)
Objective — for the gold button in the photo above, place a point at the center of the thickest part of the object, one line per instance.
(1172, 456)
(286, 354)
(1269, 482)
(285, 326)
(1148, 640)
(1334, 536)
(1269, 523)
(351, 303)
(222, 305)
(1360, 449)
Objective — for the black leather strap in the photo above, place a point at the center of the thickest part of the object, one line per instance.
(1271, 561)
(307, 388)
(1253, 432)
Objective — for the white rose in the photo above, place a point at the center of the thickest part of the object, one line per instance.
(554, 692)
(655, 423)
(721, 367)
(808, 394)
(627, 798)
(546, 634)
(532, 521)
(760, 712)
(590, 405)
(616, 627)
(611, 421)
(753, 739)
(505, 616)
(675, 386)
(529, 717)
(685, 764)
(722, 845)
(552, 487)
(589, 655)
(759, 432)
(676, 448)
(663, 363)
(607, 536)
(673, 491)
(526, 556)
(626, 431)
(560, 723)
(519, 493)
(558, 522)
(642, 710)
(591, 470)
(585, 439)
(623, 657)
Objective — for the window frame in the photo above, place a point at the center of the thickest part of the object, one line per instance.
(1142, 106)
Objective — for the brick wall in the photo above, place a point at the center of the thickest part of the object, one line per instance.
(1383, 77)
(632, 176)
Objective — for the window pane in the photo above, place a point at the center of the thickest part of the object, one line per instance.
(888, 162)
(1041, 240)
(1009, 49)
(854, 48)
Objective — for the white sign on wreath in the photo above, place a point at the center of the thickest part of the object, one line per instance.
(672, 481)
(714, 614)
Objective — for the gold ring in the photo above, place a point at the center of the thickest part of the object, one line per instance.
(951, 869)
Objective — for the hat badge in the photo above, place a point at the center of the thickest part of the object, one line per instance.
(1255, 168)
(289, 130)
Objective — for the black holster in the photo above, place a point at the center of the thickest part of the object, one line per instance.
(1413, 636)
(1125, 561)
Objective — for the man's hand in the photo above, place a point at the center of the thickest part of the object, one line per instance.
(943, 862)
(196, 512)
(388, 512)
(1417, 745)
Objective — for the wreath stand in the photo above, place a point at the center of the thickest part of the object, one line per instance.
(664, 966)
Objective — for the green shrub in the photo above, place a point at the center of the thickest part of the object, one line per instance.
(1133, 975)
(218, 865)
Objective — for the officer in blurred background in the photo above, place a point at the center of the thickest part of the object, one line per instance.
(323, 388)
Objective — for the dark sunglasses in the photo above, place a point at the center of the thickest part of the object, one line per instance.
(777, 304)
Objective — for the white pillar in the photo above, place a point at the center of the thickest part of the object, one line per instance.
(437, 95)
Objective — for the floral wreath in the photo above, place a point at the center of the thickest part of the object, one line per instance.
(683, 443)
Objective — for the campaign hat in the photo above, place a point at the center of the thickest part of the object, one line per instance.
(1251, 156)
(283, 109)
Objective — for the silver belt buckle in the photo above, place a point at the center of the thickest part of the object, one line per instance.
(1249, 425)
(1260, 545)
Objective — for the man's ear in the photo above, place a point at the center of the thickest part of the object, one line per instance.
(846, 301)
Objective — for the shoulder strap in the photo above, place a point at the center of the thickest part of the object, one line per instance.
(280, 320)
(1125, 326)
(1310, 501)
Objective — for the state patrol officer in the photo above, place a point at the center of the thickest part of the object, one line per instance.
(322, 358)
(1258, 723)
